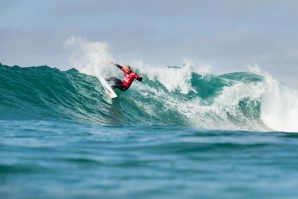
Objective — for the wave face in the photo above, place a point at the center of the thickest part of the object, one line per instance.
(167, 96)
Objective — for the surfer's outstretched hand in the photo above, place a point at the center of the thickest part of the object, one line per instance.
(109, 62)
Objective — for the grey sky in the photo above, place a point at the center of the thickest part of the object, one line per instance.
(226, 34)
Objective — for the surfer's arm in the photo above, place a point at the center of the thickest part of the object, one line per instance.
(118, 66)
(140, 78)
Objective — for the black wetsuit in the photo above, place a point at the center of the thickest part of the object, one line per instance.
(118, 83)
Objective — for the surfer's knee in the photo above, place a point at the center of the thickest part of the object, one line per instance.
(111, 79)
(123, 88)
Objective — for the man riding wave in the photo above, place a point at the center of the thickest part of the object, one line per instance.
(129, 77)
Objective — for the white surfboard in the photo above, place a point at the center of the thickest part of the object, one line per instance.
(107, 87)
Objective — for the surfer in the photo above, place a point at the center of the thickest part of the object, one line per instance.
(129, 76)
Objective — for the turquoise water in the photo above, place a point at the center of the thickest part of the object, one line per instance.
(61, 137)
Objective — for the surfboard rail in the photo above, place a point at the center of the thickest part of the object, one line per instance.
(107, 87)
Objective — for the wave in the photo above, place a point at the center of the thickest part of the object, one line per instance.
(167, 96)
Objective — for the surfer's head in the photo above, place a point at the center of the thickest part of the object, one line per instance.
(127, 69)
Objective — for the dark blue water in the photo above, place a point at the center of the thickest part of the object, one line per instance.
(62, 137)
(64, 160)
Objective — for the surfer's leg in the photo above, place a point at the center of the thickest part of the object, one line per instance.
(114, 79)
(121, 87)
(108, 79)
(118, 83)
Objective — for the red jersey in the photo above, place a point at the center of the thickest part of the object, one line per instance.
(128, 78)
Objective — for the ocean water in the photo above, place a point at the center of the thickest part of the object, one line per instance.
(184, 135)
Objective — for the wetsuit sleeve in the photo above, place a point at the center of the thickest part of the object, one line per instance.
(139, 78)
(118, 66)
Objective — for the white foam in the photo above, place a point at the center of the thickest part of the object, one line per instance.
(89, 57)
(280, 107)
(279, 103)
(203, 69)
(173, 78)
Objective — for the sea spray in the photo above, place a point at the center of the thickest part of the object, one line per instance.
(89, 57)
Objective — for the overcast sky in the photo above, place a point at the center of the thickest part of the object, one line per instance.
(227, 35)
